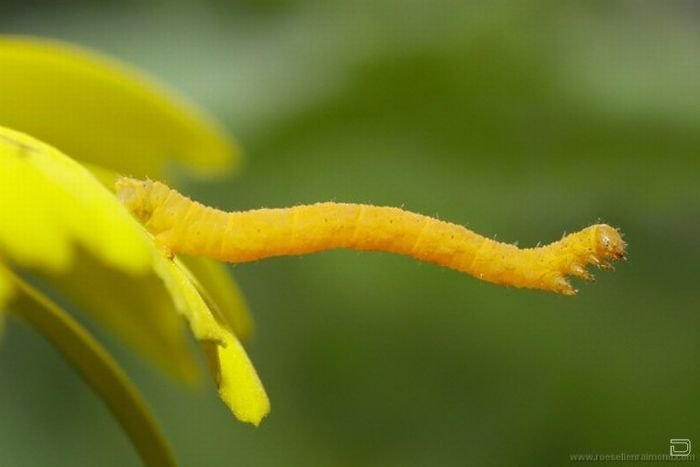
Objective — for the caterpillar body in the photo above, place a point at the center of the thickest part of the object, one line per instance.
(181, 225)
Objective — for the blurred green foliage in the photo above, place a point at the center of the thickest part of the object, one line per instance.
(520, 119)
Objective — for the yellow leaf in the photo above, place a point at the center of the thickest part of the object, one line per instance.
(103, 112)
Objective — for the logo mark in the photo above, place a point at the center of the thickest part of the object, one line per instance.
(680, 447)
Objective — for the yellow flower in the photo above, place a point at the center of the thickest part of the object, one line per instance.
(61, 228)
(50, 204)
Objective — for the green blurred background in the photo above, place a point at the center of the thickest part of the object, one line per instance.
(520, 119)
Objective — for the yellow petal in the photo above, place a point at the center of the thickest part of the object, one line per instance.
(239, 385)
(6, 288)
(221, 292)
(157, 334)
(103, 112)
(137, 309)
(49, 203)
(188, 301)
(6, 293)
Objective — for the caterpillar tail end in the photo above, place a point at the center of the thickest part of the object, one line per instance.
(133, 194)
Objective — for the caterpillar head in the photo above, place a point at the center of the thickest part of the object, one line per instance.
(608, 245)
(598, 244)
(136, 196)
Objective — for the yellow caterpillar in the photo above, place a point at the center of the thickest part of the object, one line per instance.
(181, 225)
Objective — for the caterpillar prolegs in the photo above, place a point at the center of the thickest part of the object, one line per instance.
(181, 225)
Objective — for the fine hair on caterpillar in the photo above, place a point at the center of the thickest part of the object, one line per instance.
(181, 225)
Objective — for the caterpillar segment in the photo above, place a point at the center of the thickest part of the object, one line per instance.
(181, 225)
